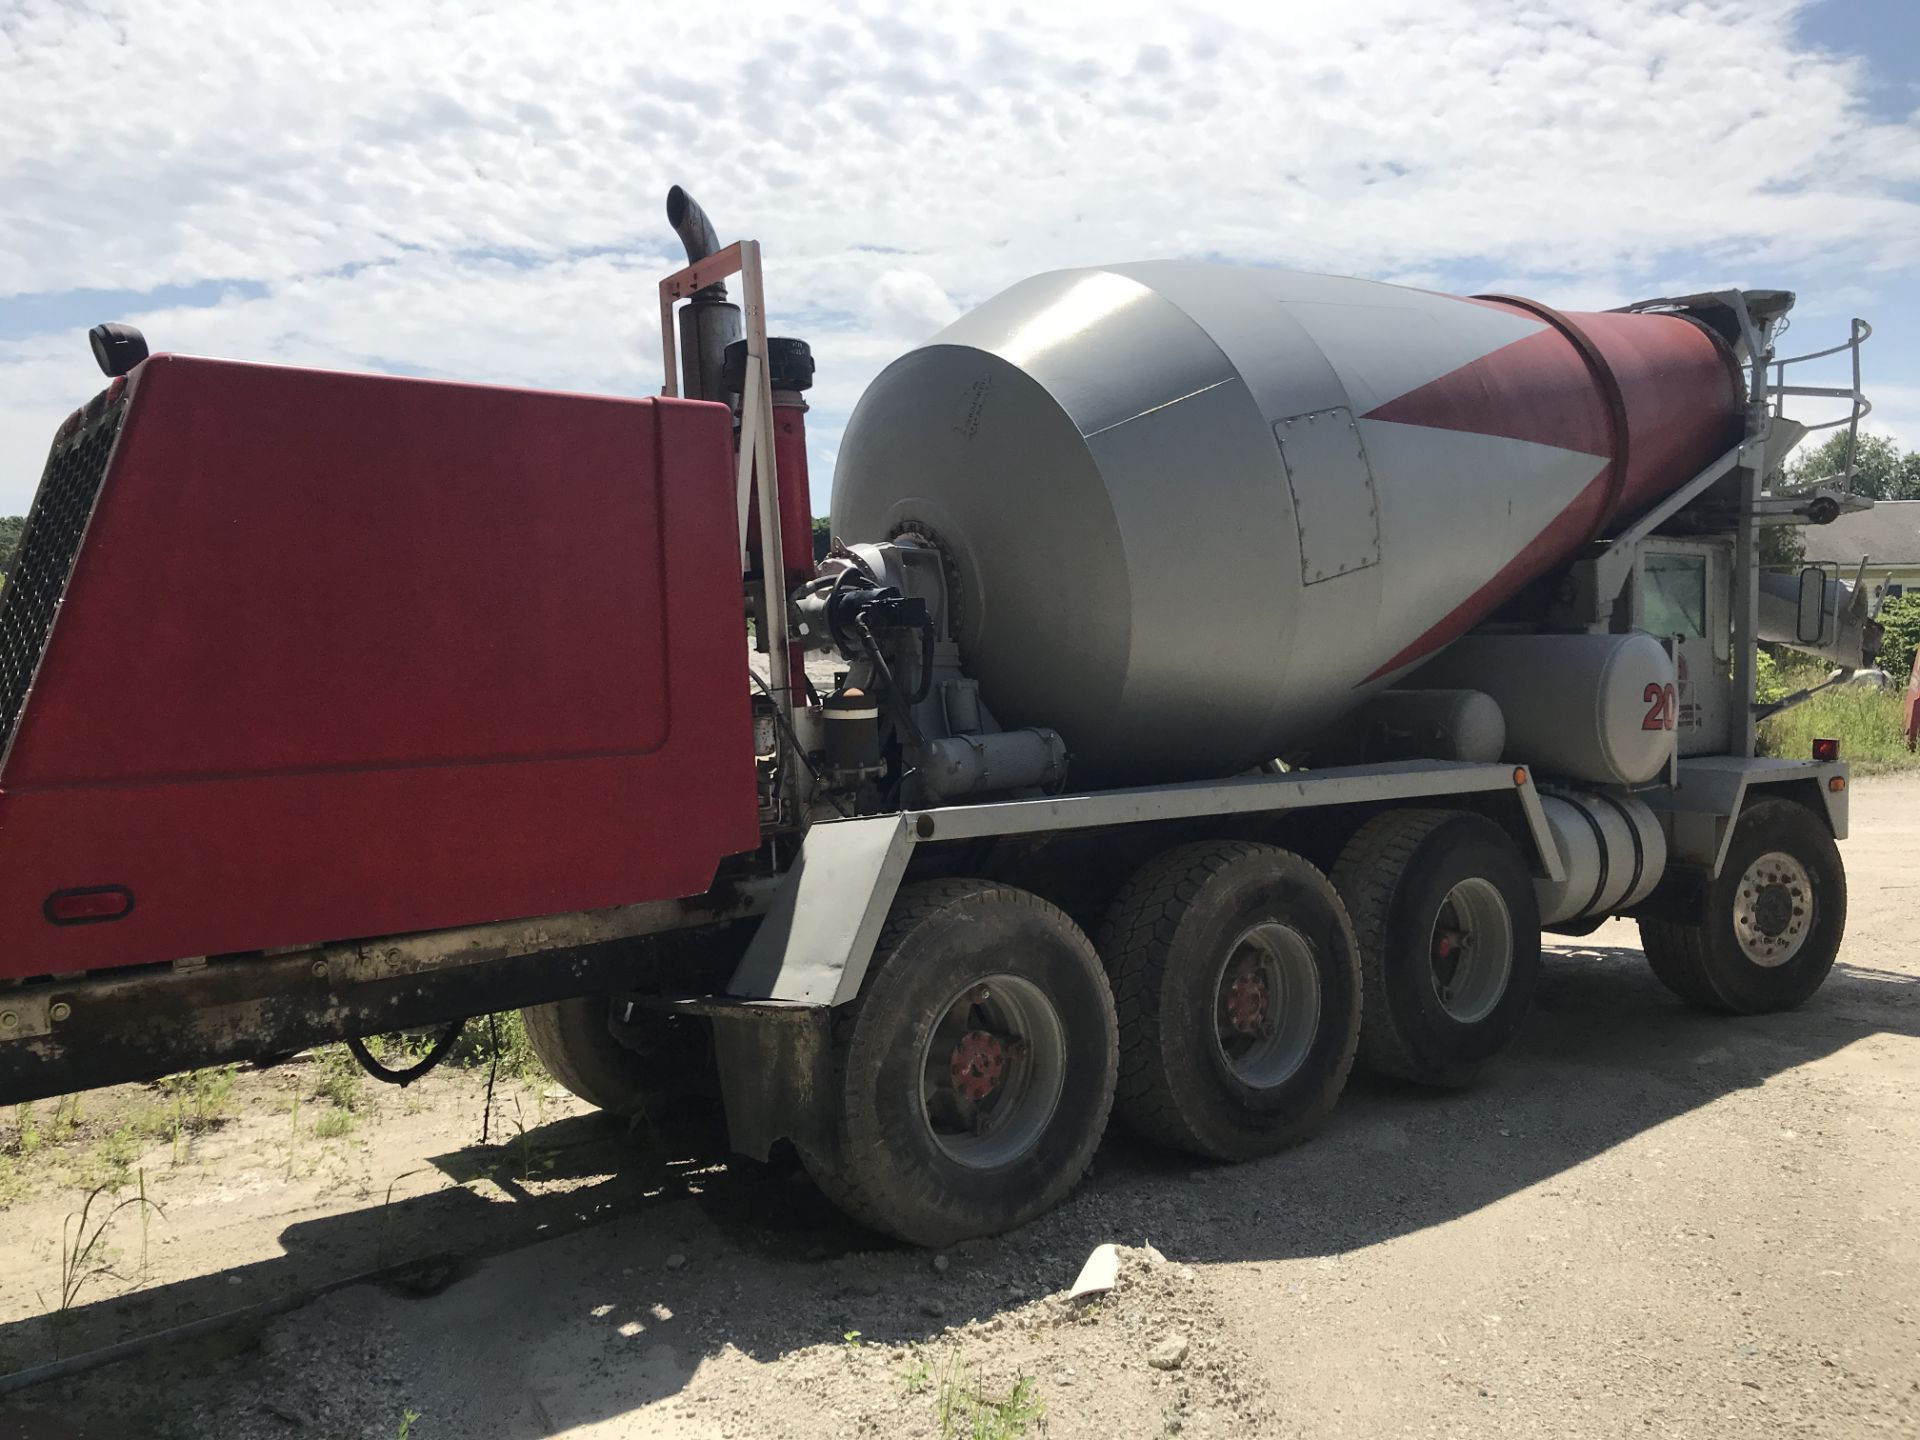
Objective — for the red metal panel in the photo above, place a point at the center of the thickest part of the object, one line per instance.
(349, 655)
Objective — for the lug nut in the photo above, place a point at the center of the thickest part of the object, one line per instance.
(9, 1020)
(61, 1010)
(319, 969)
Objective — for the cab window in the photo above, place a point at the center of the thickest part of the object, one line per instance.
(1673, 599)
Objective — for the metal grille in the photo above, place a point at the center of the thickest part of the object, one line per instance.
(44, 562)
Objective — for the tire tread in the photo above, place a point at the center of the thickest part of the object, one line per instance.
(1135, 939)
(862, 1192)
(1367, 874)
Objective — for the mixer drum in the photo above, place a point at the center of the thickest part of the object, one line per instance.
(1197, 513)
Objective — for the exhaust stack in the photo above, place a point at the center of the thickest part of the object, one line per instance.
(712, 322)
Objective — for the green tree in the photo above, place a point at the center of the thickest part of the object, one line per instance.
(10, 527)
(1880, 470)
(1783, 547)
(1901, 617)
(822, 537)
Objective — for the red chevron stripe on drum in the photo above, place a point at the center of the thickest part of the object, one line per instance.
(1680, 396)
(1537, 389)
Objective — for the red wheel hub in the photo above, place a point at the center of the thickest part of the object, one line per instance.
(1247, 1004)
(977, 1064)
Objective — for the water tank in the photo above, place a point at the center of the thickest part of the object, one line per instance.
(1598, 708)
(1196, 513)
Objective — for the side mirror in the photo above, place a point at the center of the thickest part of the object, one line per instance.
(1811, 623)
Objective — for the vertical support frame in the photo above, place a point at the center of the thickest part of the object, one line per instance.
(1746, 539)
(757, 477)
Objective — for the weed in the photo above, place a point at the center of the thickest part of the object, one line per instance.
(111, 1164)
(407, 1417)
(293, 1133)
(25, 1145)
(84, 1253)
(146, 1219)
(200, 1097)
(851, 1341)
(66, 1118)
(917, 1376)
(502, 1042)
(382, 1246)
(334, 1124)
(342, 1082)
(525, 1155)
(967, 1412)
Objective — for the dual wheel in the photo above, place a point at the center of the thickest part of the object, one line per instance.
(977, 1070)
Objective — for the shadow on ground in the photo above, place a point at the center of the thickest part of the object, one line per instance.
(1608, 1055)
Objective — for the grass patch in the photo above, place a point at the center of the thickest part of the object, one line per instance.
(1865, 722)
(201, 1097)
(334, 1123)
(967, 1412)
(498, 1039)
(342, 1083)
(918, 1376)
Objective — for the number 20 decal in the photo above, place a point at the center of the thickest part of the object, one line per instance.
(1660, 707)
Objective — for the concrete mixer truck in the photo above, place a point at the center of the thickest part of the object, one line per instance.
(1218, 678)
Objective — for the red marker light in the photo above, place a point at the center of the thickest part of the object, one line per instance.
(1826, 751)
(88, 906)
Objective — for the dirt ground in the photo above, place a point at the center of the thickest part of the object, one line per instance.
(1645, 1221)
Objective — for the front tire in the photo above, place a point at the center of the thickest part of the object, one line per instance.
(1771, 921)
(975, 1071)
(1449, 933)
(1237, 978)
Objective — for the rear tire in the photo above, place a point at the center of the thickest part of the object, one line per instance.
(1449, 932)
(975, 1071)
(1771, 922)
(575, 1040)
(1237, 978)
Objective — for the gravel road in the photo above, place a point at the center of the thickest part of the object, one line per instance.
(1645, 1221)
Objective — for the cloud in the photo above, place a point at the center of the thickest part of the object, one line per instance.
(436, 188)
(910, 304)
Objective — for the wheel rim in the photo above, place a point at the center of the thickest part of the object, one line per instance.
(1471, 950)
(1773, 909)
(992, 1070)
(1266, 1006)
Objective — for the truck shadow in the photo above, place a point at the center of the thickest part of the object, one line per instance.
(577, 1247)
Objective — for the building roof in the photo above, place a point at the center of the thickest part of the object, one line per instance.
(1888, 534)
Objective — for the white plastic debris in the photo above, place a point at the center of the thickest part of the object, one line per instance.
(1099, 1275)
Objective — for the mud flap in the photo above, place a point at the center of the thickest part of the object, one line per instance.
(776, 1073)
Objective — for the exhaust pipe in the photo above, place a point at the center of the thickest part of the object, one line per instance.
(711, 322)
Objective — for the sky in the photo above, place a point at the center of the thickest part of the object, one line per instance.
(477, 191)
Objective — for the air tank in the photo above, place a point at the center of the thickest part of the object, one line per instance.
(1196, 513)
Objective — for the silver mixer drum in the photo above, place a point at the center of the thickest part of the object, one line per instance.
(1197, 513)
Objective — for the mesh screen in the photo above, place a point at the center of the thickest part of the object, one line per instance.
(44, 561)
